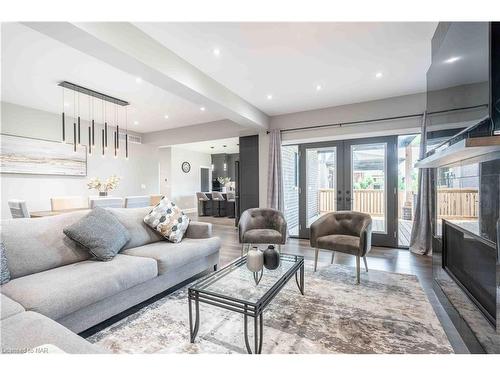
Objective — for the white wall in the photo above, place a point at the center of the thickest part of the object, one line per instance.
(179, 186)
(390, 107)
(139, 174)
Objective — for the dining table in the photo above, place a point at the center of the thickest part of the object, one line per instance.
(38, 214)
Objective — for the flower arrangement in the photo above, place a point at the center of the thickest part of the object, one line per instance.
(224, 181)
(103, 188)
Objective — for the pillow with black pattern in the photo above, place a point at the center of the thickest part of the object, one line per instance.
(168, 219)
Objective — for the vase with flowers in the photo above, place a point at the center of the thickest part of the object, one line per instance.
(104, 187)
(225, 182)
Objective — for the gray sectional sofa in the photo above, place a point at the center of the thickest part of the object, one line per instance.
(56, 290)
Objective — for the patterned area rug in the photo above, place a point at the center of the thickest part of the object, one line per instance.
(386, 313)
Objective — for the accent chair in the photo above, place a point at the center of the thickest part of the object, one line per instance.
(347, 232)
(262, 226)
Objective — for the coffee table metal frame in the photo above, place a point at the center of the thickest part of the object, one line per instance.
(197, 294)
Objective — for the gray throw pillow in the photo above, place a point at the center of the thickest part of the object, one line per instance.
(5, 277)
(100, 233)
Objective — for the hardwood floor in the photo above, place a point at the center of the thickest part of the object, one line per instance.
(379, 258)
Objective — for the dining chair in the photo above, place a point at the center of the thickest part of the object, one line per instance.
(18, 209)
(137, 201)
(68, 203)
(114, 202)
(155, 199)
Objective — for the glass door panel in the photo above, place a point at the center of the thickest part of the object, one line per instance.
(368, 181)
(371, 184)
(290, 170)
(321, 177)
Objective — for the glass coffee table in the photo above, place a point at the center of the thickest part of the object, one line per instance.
(238, 289)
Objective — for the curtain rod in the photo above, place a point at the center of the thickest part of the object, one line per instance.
(340, 124)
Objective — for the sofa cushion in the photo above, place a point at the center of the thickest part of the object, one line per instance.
(35, 245)
(133, 220)
(63, 290)
(25, 331)
(174, 255)
(340, 242)
(168, 220)
(5, 273)
(9, 307)
(100, 233)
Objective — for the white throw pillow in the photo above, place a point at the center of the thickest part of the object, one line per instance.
(168, 219)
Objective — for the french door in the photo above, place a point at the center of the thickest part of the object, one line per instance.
(358, 175)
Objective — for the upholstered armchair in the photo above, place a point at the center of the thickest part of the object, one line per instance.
(262, 226)
(347, 232)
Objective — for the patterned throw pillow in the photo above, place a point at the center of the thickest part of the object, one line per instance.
(5, 275)
(168, 219)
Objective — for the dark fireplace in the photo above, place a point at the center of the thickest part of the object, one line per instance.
(470, 260)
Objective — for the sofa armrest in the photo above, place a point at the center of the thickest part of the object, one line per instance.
(197, 229)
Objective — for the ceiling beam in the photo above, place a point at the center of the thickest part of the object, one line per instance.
(129, 49)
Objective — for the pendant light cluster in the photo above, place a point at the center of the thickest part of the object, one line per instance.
(111, 111)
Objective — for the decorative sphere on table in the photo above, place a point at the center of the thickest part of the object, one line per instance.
(255, 260)
(271, 258)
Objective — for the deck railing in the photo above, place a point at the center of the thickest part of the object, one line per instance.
(370, 201)
(457, 203)
(452, 203)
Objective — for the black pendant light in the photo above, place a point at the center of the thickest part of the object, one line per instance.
(90, 130)
(74, 123)
(102, 139)
(126, 134)
(79, 135)
(115, 144)
(63, 119)
(93, 123)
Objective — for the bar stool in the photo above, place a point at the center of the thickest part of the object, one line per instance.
(230, 204)
(218, 206)
(204, 203)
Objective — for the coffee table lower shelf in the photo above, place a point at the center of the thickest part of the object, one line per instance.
(248, 309)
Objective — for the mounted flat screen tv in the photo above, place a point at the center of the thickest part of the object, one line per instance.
(460, 81)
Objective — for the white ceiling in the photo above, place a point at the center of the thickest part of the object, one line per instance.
(219, 146)
(33, 64)
(288, 60)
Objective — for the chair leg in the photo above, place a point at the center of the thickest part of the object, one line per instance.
(333, 256)
(357, 270)
(279, 248)
(316, 259)
(366, 264)
(243, 247)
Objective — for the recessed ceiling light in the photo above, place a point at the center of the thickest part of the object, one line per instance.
(269, 96)
(202, 109)
(378, 75)
(138, 80)
(136, 122)
(216, 52)
(319, 87)
(451, 60)
(166, 117)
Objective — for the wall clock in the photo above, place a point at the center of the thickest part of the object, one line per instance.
(186, 167)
